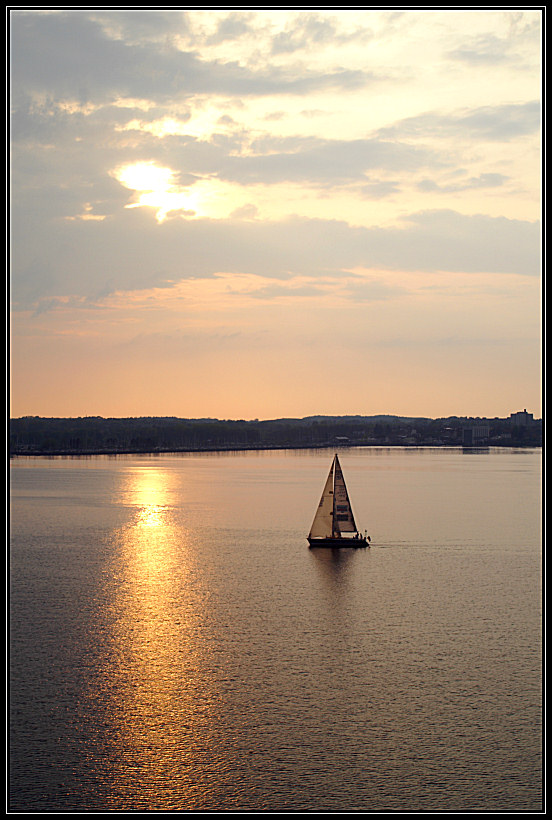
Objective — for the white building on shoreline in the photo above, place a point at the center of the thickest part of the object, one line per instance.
(521, 419)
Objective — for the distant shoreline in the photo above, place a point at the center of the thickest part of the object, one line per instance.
(35, 436)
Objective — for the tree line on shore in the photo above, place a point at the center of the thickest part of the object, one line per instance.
(94, 434)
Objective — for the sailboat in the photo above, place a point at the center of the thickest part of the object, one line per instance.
(334, 523)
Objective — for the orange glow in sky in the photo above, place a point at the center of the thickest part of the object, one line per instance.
(276, 213)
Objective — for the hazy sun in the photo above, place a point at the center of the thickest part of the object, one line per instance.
(156, 188)
(145, 176)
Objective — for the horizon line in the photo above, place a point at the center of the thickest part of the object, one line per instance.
(274, 418)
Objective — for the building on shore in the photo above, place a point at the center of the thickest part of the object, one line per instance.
(521, 419)
(475, 435)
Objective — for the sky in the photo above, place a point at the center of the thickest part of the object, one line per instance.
(249, 214)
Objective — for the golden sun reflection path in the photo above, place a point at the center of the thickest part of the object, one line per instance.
(160, 705)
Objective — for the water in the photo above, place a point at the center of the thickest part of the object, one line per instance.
(175, 645)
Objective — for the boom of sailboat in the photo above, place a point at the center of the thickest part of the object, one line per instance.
(334, 524)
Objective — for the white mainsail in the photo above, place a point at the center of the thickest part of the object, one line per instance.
(322, 526)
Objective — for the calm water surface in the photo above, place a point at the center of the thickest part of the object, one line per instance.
(175, 645)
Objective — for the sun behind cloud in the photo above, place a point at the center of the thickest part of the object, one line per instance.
(145, 176)
(155, 187)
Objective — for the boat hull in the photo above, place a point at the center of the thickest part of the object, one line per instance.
(338, 543)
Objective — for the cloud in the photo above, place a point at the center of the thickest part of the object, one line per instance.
(467, 184)
(449, 241)
(131, 251)
(497, 123)
(232, 27)
(307, 30)
(484, 50)
(322, 162)
(140, 26)
(129, 72)
(49, 143)
(72, 54)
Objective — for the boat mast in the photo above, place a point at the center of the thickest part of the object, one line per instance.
(334, 511)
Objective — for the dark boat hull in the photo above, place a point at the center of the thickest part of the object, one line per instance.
(337, 543)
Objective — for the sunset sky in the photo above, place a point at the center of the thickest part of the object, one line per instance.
(239, 214)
